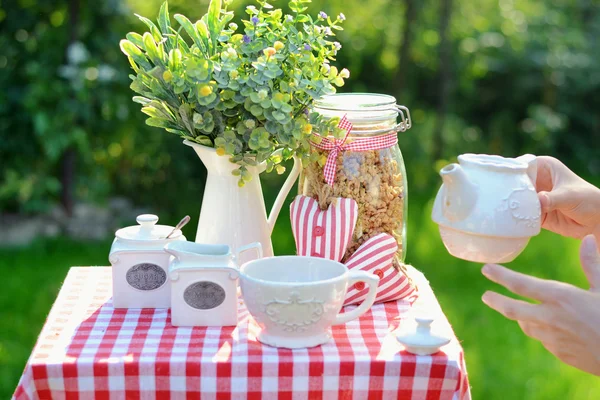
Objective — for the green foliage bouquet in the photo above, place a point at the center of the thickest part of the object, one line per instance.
(246, 94)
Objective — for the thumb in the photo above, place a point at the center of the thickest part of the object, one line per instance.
(555, 200)
(590, 261)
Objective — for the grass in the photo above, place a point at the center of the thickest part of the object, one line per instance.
(31, 279)
(502, 362)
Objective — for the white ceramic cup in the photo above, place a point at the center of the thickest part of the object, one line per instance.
(295, 300)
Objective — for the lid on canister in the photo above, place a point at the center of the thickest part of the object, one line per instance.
(370, 113)
(147, 230)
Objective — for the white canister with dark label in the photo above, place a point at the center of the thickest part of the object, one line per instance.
(140, 264)
(204, 283)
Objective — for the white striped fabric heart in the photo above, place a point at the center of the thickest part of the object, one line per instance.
(324, 234)
(376, 256)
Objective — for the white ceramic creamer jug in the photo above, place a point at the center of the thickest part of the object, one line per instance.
(204, 283)
(487, 207)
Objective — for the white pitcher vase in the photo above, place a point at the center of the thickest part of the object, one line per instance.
(233, 215)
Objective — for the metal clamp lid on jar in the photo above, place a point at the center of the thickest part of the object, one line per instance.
(360, 107)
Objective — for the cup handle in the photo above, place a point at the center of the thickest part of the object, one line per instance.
(371, 280)
(252, 246)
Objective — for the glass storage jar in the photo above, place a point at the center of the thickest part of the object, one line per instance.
(374, 178)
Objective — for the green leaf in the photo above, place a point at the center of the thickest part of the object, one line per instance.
(141, 100)
(204, 140)
(185, 112)
(158, 122)
(214, 11)
(229, 135)
(279, 116)
(152, 50)
(175, 59)
(181, 44)
(153, 29)
(135, 67)
(256, 110)
(178, 132)
(163, 18)
(286, 108)
(164, 108)
(154, 112)
(203, 32)
(130, 49)
(286, 153)
(135, 53)
(262, 156)
(165, 26)
(191, 30)
(135, 38)
(228, 16)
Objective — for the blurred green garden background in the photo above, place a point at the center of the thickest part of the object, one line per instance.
(495, 76)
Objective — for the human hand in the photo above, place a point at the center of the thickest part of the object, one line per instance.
(570, 205)
(567, 320)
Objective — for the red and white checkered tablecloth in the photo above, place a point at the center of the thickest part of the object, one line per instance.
(89, 350)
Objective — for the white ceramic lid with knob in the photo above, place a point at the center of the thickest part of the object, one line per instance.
(147, 230)
(422, 341)
(147, 235)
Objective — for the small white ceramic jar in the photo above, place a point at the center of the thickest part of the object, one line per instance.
(204, 283)
(140, 264)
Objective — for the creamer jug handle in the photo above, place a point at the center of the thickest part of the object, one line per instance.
(285, 190)
(252, 246)
(173, 249)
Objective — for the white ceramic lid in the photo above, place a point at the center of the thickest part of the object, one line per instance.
(147, 230)
(422, 341)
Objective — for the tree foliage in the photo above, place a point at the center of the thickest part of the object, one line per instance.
(523, 78)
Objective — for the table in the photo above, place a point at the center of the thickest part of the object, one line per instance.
(89, 350)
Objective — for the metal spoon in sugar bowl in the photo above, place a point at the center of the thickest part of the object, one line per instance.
(180, 225)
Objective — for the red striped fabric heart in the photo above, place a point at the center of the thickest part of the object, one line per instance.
(326, 234)
(376, 256)
(319, 233)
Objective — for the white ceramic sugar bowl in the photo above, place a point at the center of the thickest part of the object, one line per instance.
(487, 208)
(140, 264)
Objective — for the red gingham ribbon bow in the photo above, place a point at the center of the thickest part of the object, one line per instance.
(335, 147)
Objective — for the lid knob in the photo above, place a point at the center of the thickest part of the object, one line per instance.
(147, 222)
(423, 325)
